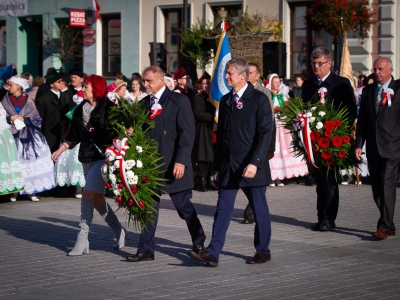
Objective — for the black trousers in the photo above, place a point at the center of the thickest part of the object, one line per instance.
(205, 168)
(327, 194)
(383, 175)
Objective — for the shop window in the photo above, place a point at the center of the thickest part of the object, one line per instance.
(111, 44)
(173, 25)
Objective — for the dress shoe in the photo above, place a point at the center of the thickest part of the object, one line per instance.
(391, 232)
(140, 257)
(316, 226)
(327, 225)
(247, 221)
(259, 258)
(200, 247)
(202, 185)
(379, 234)
(203, 257)
(211, 184)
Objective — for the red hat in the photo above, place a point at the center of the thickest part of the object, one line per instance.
(204, 76)
(179, 73)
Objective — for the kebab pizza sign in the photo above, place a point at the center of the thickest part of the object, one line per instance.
(77, 18)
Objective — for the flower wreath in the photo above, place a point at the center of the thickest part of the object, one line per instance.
(132, 168)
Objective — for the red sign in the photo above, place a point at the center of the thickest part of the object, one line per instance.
(88, 32)
(77, 18)
(88, 41)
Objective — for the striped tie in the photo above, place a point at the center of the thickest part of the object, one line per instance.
(379, 99)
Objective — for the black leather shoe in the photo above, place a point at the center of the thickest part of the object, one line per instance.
(140, 257)
(247, 221)
(211, 184)
(327, 225)
(259, 258)
(200, 247)
(315, 226)
(202, 185)
(203, 257)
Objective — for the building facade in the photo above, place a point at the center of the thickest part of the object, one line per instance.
(127, 27)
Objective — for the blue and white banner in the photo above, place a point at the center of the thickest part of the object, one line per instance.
(13, 8)
(218, 81)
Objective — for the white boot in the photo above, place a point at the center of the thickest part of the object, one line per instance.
(82, 242)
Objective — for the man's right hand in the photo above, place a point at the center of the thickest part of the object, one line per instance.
(357, 152)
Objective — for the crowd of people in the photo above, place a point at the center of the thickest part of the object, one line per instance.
(55, 133)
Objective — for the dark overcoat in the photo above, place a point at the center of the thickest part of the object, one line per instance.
(95, 136)
(243, 138)
(204, 112)
(174, 131)
(381, 130)
(54, 122)
(339, 91)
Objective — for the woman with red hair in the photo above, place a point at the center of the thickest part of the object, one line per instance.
(91, 128)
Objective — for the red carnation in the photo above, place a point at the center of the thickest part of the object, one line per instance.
(130, 202)
(329, 163)
(346, 139)
(108, 185)
(119, 199)
(326, 155)
(329, 125)
(337, 123)
(134, 189)
(145, 180)
(315, 136)
(120, 186)
(342, 154)
(141, 204)
(337, 141)
(323, 143)
(328, 133)
(315, 149)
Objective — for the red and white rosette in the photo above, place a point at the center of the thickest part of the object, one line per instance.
(387, 96)
(302, 125)
(155, 110)
(239, 105)
(78, 97)
(322, 93)
(118, 150)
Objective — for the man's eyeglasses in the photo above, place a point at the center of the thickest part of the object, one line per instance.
(319, 64)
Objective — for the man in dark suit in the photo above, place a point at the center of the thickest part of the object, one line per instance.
(378, 125)
(76, 80)
(341, 94)
(174, 132)
(243, 136)
(254, 76)
(52, 107)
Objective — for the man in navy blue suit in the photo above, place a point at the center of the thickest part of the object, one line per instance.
(243, 137)
(174, 132)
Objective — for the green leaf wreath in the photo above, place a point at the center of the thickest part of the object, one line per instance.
(132, 169)
(329, 134)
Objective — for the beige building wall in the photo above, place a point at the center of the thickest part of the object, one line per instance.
(153, 21)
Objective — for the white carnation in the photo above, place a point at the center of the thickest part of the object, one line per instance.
(130, 174)
(130, 164)
(313, 108)
(139, 149)
(319, 125)
(105, 169)
(116, 192)
(111, 169)
(131, 182)
(309, 115)
(321, 113)
(139, 164)
(111, 157)
(116, 164)
(112, 178)
(312, 119)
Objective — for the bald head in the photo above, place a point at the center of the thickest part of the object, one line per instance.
(383, 70)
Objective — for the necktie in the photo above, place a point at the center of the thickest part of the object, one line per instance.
(235, 99)
(319, 81)
(379, 99)
(153, 100)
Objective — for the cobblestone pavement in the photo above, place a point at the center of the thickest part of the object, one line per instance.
(344, 264)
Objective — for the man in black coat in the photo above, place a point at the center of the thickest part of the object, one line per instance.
(243, 137)
(52, 107)
(378, 125)
(204, 112)
(174, 132)
(341, 94)
(76, 81)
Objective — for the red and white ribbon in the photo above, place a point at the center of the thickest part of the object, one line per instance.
(155, 110)
(301, 123)
(387, 96)
(322, 93)
(118, 150)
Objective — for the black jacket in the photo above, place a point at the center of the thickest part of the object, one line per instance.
(381, 130)
(243, 138)
(98, 132)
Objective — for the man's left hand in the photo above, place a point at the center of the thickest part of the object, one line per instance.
(178, 171)
(250, 171)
